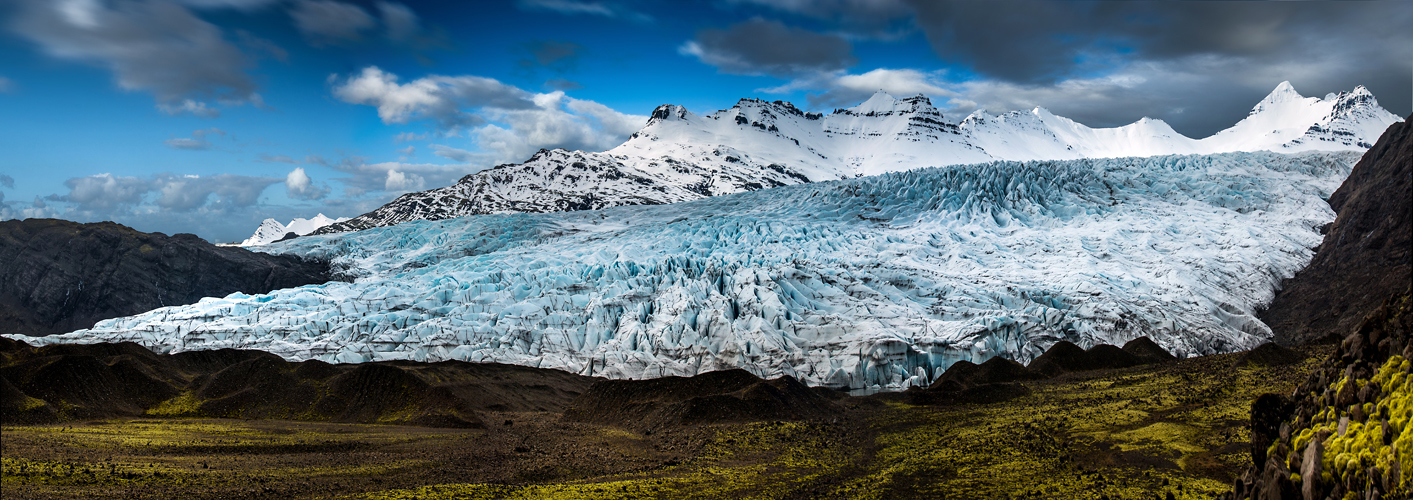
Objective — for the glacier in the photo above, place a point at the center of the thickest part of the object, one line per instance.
(876, 282)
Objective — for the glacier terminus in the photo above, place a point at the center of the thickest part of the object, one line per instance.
(872, 282)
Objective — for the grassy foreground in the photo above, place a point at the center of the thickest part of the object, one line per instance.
(1178, 429)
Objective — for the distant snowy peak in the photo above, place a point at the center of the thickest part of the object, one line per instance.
(680, 156)
(882, 104)
(1282, 95)
(306, 226)
(271, 230)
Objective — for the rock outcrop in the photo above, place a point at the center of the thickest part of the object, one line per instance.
(58, 276)
(1367, 253)
(1348, 430)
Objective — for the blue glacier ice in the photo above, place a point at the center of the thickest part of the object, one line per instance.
(874, 282)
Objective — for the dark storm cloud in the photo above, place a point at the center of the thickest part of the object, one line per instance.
(886, 19)
(562, 84)
(154, 46)
(1031, 41)
(326, 22)
(554, 55)
(759, 47)
(1198, 65)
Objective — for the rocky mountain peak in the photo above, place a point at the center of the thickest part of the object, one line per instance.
(1283, 93)
(666, 112)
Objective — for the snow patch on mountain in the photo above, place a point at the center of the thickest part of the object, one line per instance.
(271, 230)
(878, 282)
(679, 155)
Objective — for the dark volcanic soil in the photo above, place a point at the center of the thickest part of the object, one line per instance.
(1367, 254)
(1172, 427)
(66, 382)
(58, 276)
(708, 398)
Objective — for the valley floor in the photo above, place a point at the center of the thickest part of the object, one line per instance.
(1174, 430)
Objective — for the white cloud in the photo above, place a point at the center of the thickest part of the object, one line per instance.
(202, 133)
(299, 186)
(104, 192)
(269, 158)
(557, 121)
(7, 85)
(401, 181)
(514, 123)
(197, 141)
(575, 7)
(363, 177)
(184, 193)
(460, 155)
(196, 108)
(409, 136)
(188, 144)
(235, 4)
(107, 194)
(839, 88)
(36, 210)
(440, 98)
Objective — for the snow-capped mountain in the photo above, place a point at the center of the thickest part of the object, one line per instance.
(1285, 121)
(881, 281)
(271, 230)
(680, 156)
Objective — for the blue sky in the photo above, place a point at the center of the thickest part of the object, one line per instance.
(207, 116)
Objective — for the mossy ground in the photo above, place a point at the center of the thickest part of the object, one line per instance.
(1144, 432)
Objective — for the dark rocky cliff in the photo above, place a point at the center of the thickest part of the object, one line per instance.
(57, 276)
(1367, 254)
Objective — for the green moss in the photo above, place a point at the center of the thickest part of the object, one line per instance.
(1348, 456)
(184, 405)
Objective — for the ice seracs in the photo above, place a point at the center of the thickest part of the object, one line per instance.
(880, 281)
(271, 230)
(680, 155)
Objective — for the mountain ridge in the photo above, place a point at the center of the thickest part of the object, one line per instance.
(680, 156)
(271, 230)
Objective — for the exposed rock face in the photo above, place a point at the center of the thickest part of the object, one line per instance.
(1367, 253)
(58, 276)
